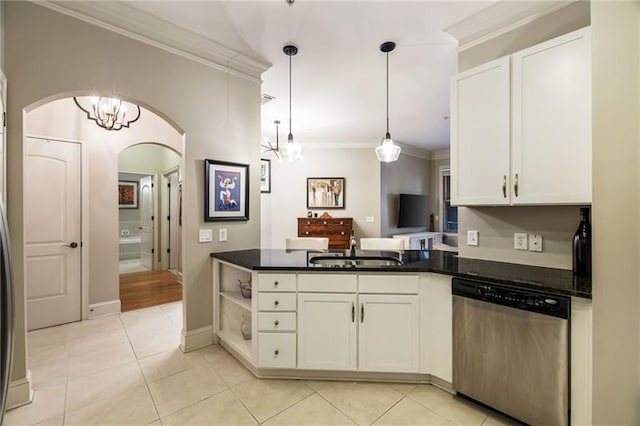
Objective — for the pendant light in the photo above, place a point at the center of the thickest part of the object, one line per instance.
(387, 151)
(292, 150)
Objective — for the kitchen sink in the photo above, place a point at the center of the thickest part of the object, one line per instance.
(354, 262)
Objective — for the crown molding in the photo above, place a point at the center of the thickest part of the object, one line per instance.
(134, 23)
(441, 154)
(500, 18)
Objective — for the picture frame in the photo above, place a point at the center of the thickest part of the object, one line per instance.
(326, 192)
(265, 176)
(226, 191)
(127, 194)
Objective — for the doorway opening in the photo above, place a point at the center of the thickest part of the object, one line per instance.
(149, 192)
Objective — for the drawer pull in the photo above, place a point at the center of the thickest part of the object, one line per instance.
(275, 283)
(342, 233)
(306, 232)
(276, 323)
(341, 223)
(308, 223)
(324, 222)
(276, 303)
(276, 352)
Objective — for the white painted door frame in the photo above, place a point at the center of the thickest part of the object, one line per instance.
(154, 178)
(165, 211)
(84, 216)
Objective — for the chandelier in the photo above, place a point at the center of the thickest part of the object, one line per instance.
(109, 113)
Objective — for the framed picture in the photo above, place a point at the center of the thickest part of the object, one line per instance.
(127, 195)
(325, 193)
(265, 176)
(226, 189)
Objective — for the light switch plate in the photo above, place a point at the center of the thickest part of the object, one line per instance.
(222, 234)
(472, 238)
(520, 241)
(369, 219)
(535, 242)
(205, 235)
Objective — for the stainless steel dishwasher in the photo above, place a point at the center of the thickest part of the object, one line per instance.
(511, 350)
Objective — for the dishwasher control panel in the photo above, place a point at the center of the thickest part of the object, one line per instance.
(528, 300)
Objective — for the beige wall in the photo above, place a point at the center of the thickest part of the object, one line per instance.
(615, 36)
(48, 54)
(287, 200)
(496, 225)
(408, 175)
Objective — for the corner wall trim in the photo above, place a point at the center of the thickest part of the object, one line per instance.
(196, 339)
(20, 392)
(102, 309)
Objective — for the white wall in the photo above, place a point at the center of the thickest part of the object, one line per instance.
(287, 200)
(615, 35)
(48, 54)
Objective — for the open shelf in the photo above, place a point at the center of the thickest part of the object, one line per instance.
(237, 342)
(236, 298)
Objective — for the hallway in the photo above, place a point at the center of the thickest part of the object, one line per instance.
(150, 288)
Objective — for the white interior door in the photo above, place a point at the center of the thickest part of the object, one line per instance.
(173, 220)
(52, 183)
(146, 222)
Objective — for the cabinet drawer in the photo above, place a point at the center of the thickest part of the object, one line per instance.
(277, 282)
(277, 301)
(327, 283)
(276, 350)
(390, 284)
(277, 321)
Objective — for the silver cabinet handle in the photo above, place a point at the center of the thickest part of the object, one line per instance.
(276, 352)
(276, 323)
(504, 186)
(515, 185)
(361, 312)
(276, 303)
(72, 245)
(353, 312)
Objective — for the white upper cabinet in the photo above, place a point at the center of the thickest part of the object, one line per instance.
(524, 121)
(551, 121)
(480, 135)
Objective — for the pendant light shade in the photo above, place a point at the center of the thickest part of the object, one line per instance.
(292, 150)
(387, 151)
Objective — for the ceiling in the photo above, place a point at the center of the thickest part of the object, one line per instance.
(338, 79)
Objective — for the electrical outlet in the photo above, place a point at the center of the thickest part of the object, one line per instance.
(369, 219)
(205, 235)
(520, 241)
(124, 232)
(222, 234)
(535, 242)
(472, 238)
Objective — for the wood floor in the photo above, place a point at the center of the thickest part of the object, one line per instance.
(143, 289)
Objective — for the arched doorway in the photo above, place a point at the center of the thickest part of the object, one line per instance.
(93, 262)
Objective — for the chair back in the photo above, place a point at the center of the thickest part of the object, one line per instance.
(307, 243)
(381, 244)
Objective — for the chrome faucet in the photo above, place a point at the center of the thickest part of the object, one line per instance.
(353, 243)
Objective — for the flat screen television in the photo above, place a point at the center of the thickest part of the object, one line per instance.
(413, 210)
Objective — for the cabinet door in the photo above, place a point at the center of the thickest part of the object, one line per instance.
(437, 320)
(389, 333)
(327, 331)
(480, 100)
(551, 140)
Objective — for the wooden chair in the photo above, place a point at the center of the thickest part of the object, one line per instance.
(307, 243)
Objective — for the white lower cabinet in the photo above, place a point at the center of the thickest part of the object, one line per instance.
(388, 333)
(327, 331)
(364, 332)
(436, 319)
(277, 350)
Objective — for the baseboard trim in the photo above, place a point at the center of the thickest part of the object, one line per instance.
(103, 309)
(179, 275)
(20, 392)
(196, 339)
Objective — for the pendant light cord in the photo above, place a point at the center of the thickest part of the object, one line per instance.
(387, 92)
(290, 134)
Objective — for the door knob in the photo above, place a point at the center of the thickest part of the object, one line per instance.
(72, 245)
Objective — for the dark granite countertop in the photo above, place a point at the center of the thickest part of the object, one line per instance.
(557, 281)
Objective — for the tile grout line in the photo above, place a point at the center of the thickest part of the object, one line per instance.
(389, 409)
(244, 405)
(292, 405)
(337, 408)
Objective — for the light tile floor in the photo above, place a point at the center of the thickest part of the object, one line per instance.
(128, 369)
